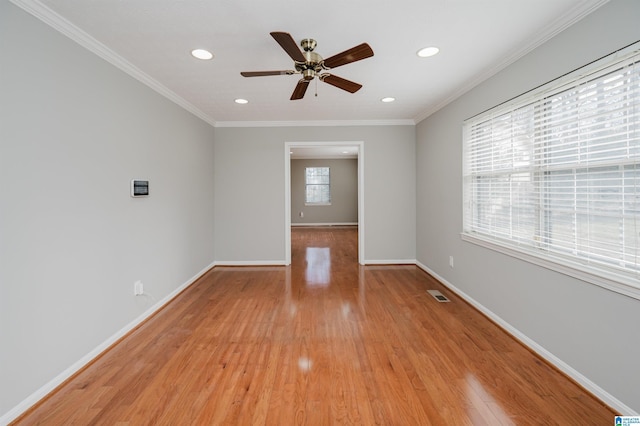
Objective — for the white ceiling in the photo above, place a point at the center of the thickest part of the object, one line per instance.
(152, 40)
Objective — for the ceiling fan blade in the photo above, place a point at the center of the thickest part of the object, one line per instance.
(300, 90)
(289, 45)
(357, 53)
(341, 83)
(265, 73)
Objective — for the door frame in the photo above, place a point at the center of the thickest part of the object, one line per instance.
(287, 192)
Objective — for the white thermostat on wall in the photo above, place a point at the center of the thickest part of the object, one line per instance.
(139, 188)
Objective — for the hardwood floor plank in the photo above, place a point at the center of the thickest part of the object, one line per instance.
(324, 341)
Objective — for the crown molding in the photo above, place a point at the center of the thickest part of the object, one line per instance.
(60, 24)
(547, 33)
(65, 27)
(317, 123)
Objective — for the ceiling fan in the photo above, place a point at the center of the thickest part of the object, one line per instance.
(310, 64)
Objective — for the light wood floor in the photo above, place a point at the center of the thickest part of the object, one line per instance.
(324, 341)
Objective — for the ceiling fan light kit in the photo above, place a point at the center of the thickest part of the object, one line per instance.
(310, 64)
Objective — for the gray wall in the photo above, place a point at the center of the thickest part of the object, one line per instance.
(75, 131)
(344, 192)
(250, 189)
(591, 329)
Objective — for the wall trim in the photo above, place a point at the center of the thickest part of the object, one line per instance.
(551, 30)
(538, 349)
(250, 263)
(326, 224)
(62, 25)
(69, 30)
(390, 262)
(65, 27)
(74, 368)
(316, 123)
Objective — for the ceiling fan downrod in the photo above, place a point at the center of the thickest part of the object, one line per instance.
(308, 44)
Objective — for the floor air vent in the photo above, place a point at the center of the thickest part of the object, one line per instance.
(438, 296)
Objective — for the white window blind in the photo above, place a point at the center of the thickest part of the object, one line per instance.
(318, 185)
(556, 174)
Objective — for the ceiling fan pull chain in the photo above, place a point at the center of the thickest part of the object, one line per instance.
(316, 86)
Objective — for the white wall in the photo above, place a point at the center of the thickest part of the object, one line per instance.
(591, 329)
(75, 131)
(250, 173)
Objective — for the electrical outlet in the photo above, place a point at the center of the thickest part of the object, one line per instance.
(451, 261)
(301, 214)
(138, 288)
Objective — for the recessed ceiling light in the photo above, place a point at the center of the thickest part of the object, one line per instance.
(202, 54)
(388, 99)
(241, 101)
(345, 152)
(428, 51)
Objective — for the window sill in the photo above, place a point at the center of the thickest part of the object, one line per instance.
(618, 283)
(316, 204)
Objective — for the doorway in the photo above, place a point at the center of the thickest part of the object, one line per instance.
(359, 147)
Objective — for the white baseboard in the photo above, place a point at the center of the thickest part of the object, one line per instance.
(326, 224)
(250, 263)
(78, 365)
(390, 262)
(596, 390)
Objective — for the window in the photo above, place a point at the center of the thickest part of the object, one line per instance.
(317, 186)
(555, 175)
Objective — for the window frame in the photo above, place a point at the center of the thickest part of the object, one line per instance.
(307, 184)
(573, 265)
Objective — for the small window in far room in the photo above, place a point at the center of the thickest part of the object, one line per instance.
(317, 186)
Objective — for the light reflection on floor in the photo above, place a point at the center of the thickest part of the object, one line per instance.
(318, 271)
(480, 399)
(304, 364)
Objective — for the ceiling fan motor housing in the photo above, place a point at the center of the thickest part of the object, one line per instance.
(312, 63)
